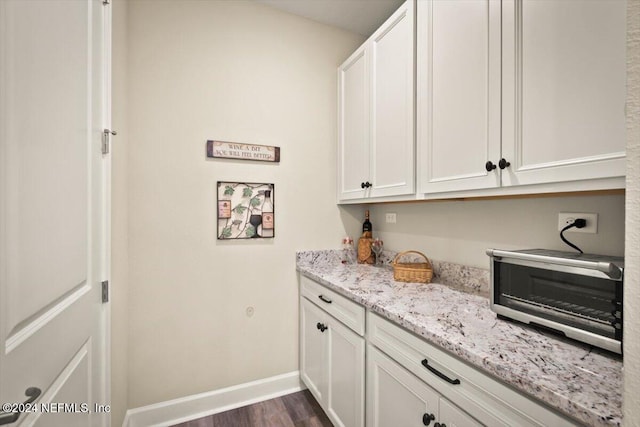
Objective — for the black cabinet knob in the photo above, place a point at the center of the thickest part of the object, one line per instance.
(322, 327)
(503, 164)
(362, 185)
(489, 166)
(319, 325)
(427, 418)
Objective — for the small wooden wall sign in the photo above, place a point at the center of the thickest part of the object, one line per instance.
(238, 151)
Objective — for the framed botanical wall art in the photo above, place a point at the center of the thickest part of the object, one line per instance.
(245, 210)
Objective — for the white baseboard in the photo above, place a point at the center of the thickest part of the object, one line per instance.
(177, 411)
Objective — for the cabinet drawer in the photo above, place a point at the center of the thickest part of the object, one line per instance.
(343, 309)
(479, 394)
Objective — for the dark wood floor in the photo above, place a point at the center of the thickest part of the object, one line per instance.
(293, 410)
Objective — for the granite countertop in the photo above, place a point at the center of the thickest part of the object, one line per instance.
(453, 312)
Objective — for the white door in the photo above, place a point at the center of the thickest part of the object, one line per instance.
(313, 347)
(54, 210)
(458, 95)
(353, 126)
(392, 105)
(563, 90)
(395, 397)
(345, 404)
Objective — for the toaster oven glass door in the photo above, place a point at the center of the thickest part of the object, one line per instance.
(586, 302)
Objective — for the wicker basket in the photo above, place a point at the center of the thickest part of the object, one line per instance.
(420, 272)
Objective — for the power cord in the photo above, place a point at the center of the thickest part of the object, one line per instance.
(578, 223)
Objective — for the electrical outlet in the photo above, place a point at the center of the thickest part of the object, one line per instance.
(390, 218)
(566, 218)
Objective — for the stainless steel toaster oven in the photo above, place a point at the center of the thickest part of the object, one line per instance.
(577, 295)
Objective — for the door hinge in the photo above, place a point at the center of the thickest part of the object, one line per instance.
(105, 291)
(106, 140)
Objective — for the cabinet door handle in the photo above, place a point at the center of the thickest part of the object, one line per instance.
(324, 299)
(489, 166)
(439, 374)
(503, 164)
(365, 184)
(322, 327)
(11, 417)
(362, 185)
(427, 418)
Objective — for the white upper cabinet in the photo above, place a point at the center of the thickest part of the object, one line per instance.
(520, 93)
(458, 86)
(376, 113)
(563, 91)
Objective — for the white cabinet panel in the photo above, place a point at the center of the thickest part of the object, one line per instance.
(353, 147)
(392, 111)
(563, 90)
(458, 82)
(394, 396)
(345, 405)
(312, 350)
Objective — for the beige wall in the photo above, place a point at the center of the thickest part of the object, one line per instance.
(632, 270)
(460, 231)
(232, 71)
(119, 217)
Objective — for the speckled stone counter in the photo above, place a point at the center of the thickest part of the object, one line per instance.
(453, 313)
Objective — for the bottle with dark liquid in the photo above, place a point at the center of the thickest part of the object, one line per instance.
(365, 254)
(267, 215)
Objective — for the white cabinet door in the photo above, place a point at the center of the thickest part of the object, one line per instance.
(376, 140)
(54, 212)
(332, 365)
(313, 354)
(458, 94)
(452, 416)
(392, 105)
(563, 90)
(345, 405)
(394, 396)
(353, 125)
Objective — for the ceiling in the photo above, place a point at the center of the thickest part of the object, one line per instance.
(358, 16)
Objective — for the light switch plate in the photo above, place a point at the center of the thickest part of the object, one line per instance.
(390, 218)
(566, 218)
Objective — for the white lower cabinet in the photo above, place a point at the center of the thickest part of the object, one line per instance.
(396, 397)
(332, 365)
(409, 382)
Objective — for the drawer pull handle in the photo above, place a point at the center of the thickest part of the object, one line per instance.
(427, 418)
(325, 299)
(433, 370)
